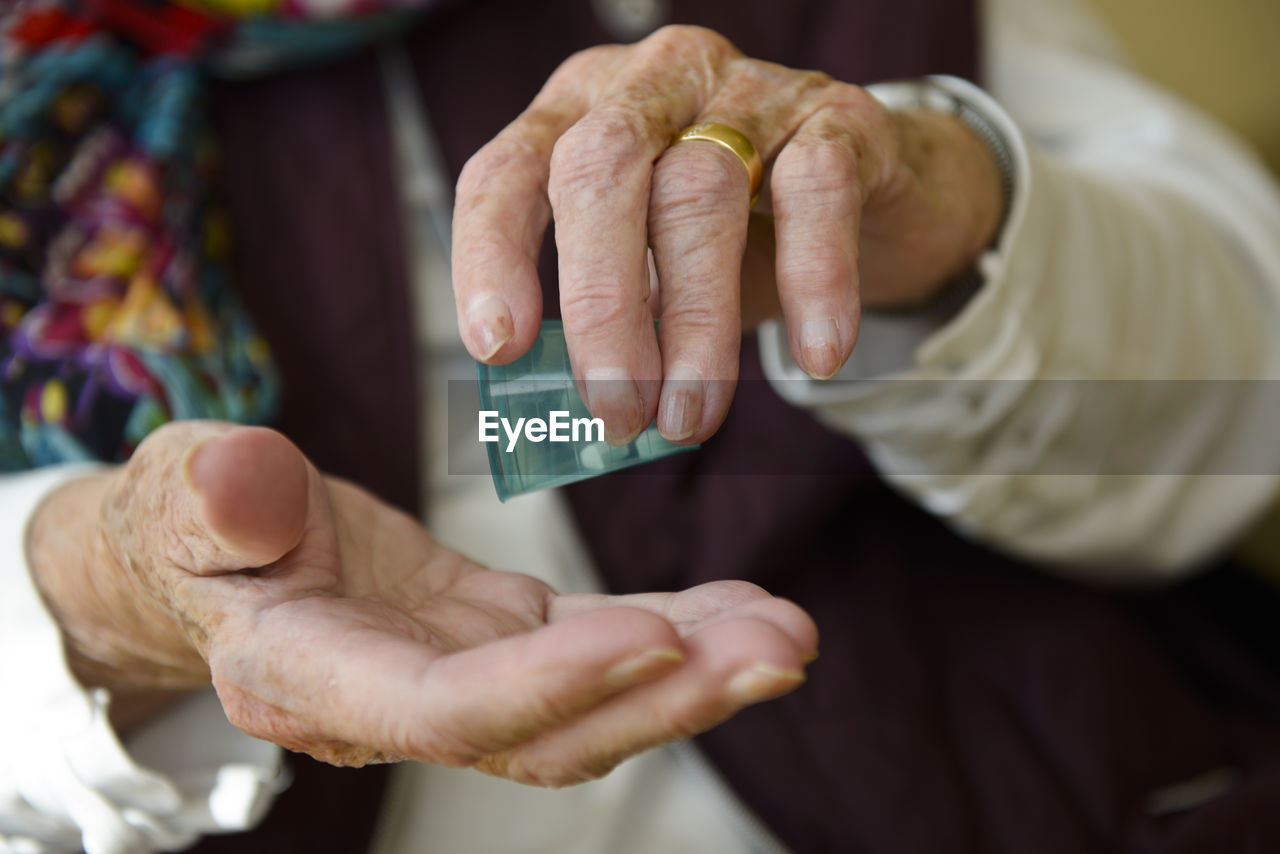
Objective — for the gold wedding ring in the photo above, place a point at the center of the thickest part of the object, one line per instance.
(735, 141)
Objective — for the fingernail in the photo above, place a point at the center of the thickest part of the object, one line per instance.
(762, 681)
(614, 396)
(200, 466)
(490, 324)
(645, 666)
(820, 344)
(811, 657)
(680, 410)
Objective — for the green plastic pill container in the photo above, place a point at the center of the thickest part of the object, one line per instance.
(540, 385)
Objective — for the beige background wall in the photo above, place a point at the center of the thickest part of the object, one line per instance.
(1223, 55)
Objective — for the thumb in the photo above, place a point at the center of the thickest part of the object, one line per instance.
(213, 497)
(249, 489)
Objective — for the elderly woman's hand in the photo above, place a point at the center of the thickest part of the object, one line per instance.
(333, 624)
(867, 206)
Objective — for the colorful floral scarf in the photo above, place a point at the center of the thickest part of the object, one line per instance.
(115, 311)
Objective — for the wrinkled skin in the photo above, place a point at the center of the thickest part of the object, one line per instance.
(356, 638)
(860, 206)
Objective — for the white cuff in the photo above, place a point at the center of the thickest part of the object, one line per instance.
(66, 782)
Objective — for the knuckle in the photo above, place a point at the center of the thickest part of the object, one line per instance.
(818, 272)
(607, 133)
(691, 179)
(156, 453)
(478, 171)
(137, 514)
(812, 82)
(684, 38)
(825, 163)
(857, 102)
(182, 544)
(585, 61)
(596, 306)
(592, 156)
(506, 152)
(699, 328)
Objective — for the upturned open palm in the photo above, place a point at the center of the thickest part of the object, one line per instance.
(356, 637)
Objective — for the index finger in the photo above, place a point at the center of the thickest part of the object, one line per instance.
(501, 212)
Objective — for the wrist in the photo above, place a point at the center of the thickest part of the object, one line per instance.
(117, 635)
(956, 162)
(959, 172)
(942, 209)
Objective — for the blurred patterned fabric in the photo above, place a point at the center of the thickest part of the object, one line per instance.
(115, 314)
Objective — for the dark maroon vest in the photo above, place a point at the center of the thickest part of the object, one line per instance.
(962, 703)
